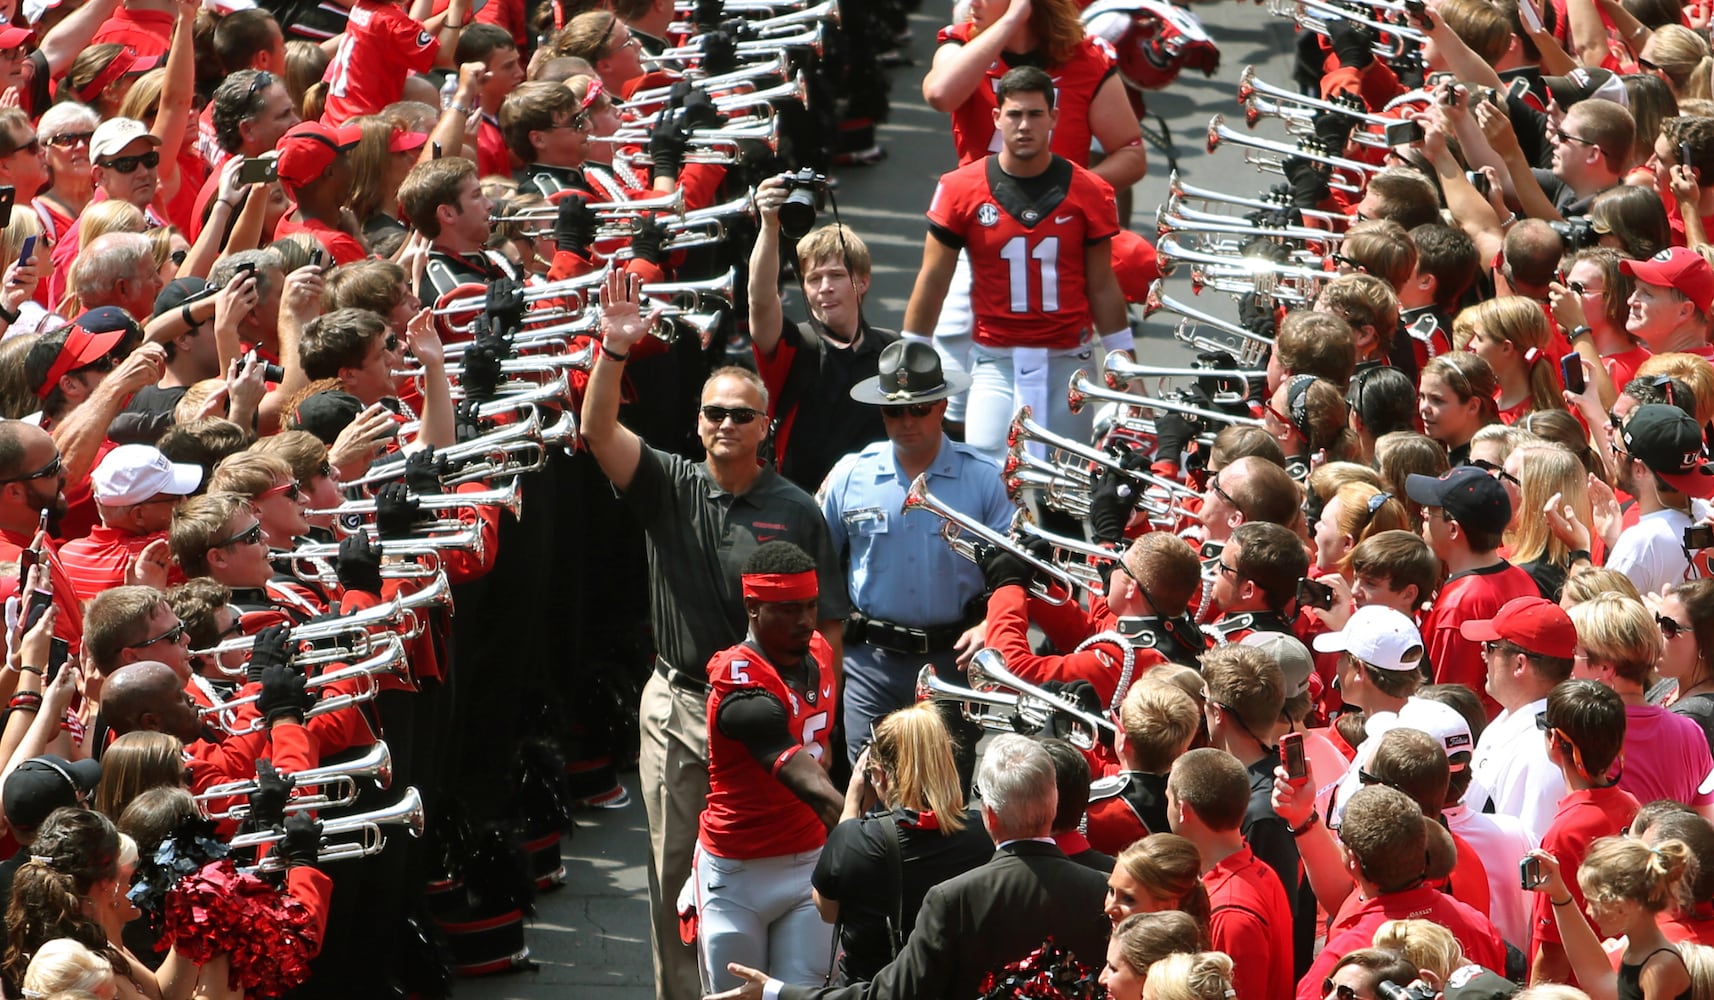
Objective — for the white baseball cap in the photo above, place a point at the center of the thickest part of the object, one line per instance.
(113, 135)
(1441, 721)
(1379, 636)
(133, 473)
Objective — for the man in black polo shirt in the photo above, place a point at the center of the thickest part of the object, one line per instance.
(701, 522)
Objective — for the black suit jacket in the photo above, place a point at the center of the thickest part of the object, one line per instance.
(979, 921)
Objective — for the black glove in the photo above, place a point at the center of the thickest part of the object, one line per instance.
(648, 240)
(1352, 42)
(574, 227)
(708, 14)
(1334, 130)
(139, 428)
(699, 111)
(359, 565)
(1081, 694)
(1173, 432)
(302, 842)
(423, 472)
(1308, 182)
(1256, 313)
(268, 801)
(719, 53)
(395, 514)
(667, 143)
(284, 694)
(480, 373)
(1001, 567)
(468, 425)
(1110, 506)
(505, 307)
(272, 648)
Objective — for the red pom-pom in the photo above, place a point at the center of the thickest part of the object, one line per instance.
(218, 910)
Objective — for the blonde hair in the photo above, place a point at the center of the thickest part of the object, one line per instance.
(97, 220)
(1619, 868)
(1169, 868)
(1587, 582)
(835, 242)
(1699, 960)
(135, 763)
(1359, 523)
(1205, 975)
(306, 64)
(1547, 470)
(63, 964)
(1693, 371)
(1146, 938)
(1520, 322)
(1683, 56)
(143, 100)
(23, 224)
(1159, 721)
(913, 747)
(1327, 480)
(1424, 944)
(1620, 631)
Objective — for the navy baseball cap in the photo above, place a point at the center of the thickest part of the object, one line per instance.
(1669, 442)
(1468, 495)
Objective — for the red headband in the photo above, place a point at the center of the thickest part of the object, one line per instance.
(123, 63)
(776, 588)
(592, 95)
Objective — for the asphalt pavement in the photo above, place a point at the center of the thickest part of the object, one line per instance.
(590, 938)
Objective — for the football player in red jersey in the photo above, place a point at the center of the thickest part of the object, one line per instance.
(770, 803)
(1038, 230)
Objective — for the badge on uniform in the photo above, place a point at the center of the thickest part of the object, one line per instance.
(988, 214)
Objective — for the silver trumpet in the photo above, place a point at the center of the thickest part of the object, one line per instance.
(1250, 85)
(988, 672)
(757, 102)
(1083, 389)
(964, 534)
(812, 38)
(1024, 428)
(1315, 15)
(697, 220)
(1179, 192)
(1072, 554)
(992, 710)
(389, 661)
(407, 812)
(397, 617)
(1219, 134)
(1168, 222)
(1120, 369)
(1247, 347)
(506, 450)
(1176, 207)
(1061, 493)
(334, 785)
(574, 287)
(361, 513)
(1241, 273)
(670, 203)
(777, 64)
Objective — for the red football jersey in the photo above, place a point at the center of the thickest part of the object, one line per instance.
(1028, 287)
(750, 814)
(382, 46)
(1075, 83)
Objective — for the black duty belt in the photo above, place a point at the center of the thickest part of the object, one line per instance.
(902, 638)
(678, 678)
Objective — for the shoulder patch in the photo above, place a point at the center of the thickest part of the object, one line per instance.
(1109, 787)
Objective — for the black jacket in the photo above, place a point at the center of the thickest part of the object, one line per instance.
(979, 921)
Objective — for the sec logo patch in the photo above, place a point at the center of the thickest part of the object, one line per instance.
(988, 214)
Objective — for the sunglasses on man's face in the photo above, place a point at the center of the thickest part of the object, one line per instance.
(1339, 991)
(739, 415)
(918, 410)
(172, 635)
(129, 164)
(249, 536)
(50, 469)
(291, 491)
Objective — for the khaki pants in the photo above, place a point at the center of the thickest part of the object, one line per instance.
(673, 770)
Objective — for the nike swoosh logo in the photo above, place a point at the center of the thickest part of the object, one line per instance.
(1060, 220)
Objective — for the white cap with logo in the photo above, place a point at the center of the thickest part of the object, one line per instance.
(1379, 636)
(133, 473)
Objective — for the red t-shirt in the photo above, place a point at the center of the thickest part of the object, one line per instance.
(492, 156)
(97, 561)
(382, 46)
(1584, 817)
(1623, 365)
(750, 814)
(1250, 916)
(1075, 83)
(339, 244)
(1028, 287)
(1359, 919)
(147, 33)
(69, 624)
(1465, 596)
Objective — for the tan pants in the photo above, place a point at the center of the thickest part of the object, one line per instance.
(673, 770)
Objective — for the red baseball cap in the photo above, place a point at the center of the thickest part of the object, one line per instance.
(14, 35)
(1680, 268)
(404, 142)
(1136, 264)
(1533, 624)
(88, 340)
(310, 148)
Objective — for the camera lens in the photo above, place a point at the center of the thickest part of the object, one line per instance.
(797, 215)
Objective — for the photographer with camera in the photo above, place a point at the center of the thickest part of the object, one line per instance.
(809, 368)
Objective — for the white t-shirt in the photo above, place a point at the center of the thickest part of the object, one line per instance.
(1651, 552)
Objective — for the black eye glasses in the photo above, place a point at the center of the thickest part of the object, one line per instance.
(249, 536)
(129, 164)
(918, 410)
(739, 415)
(50, 469)
(173, 634)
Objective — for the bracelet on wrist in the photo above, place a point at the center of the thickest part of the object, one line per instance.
(612, 355)
(1561, 902)
(1581, 331)
(25, 668)
(1306, 825)
(461, 109)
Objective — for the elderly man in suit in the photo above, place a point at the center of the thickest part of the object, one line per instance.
(992, 915)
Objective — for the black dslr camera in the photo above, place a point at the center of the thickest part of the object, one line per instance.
(1417, 990)
(1578, 233)
(808, 189)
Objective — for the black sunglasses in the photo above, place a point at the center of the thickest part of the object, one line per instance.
(1496, 471)
(1340, 991)
(170, 635)
(129, 164)
(918, 410)
(64, 139)
(392, 342)
(249, 536)
(739, 415)
(50, 469)
(1670, 627)
(33, 146)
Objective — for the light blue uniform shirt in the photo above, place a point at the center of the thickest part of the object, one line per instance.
(900, 569)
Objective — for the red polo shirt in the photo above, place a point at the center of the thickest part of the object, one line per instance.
(1356, 925)
(1250, 916)
(97, 561)
(147, 33)
(1476, 594)
(340, 245)
(69, 625)
(1583, 817)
